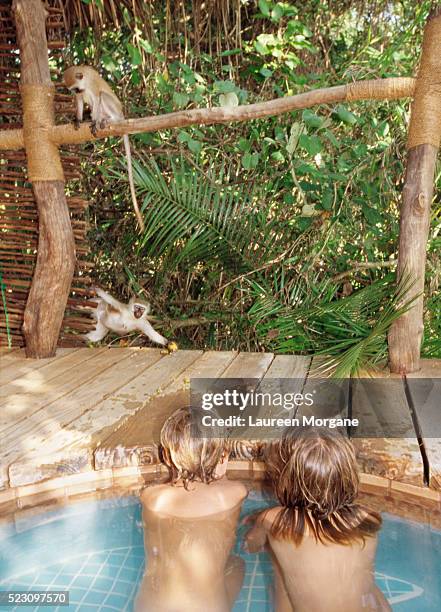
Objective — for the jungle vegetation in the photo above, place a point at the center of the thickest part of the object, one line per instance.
(278, 234)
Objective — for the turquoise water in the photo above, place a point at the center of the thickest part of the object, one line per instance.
(95, 551)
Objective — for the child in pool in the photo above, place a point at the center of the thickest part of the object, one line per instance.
(190, 526)
(321, 541)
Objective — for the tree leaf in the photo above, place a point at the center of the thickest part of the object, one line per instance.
(194, 145)
(311, 144)
(264, 8)
(371, 214)
(180, 99)
(135, 55)
(224, 87)
(250, 160)
(311, 119)
(344, 115)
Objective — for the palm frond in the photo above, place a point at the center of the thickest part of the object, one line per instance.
(354, 355)
(190, 219)
(349, 334)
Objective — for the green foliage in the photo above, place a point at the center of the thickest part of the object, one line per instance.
(264, 227)
(190, 219)
(350, 333)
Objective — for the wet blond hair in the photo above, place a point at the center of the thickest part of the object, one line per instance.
(314, 476)
(189, 457)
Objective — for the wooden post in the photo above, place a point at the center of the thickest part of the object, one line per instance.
(56, 248)
(405, 335)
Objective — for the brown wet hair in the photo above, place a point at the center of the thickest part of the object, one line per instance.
(189, 458)
(314, 476)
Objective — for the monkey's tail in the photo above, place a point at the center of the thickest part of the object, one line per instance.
(132, 184)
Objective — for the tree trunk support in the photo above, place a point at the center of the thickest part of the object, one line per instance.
(56, 247)
(406, 333)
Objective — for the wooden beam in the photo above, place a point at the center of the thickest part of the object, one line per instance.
(378, 89)
(406, 333)
(56, 248)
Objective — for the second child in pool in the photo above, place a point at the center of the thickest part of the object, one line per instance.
(190, 526)
(322, 542)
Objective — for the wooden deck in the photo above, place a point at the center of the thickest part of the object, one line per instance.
(93, 409)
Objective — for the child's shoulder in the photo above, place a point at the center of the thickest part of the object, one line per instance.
(152, 495)
(234, 489)
(267, 517)
(227, 492)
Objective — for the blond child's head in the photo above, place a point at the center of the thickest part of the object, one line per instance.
(315, 478)
(188, 457)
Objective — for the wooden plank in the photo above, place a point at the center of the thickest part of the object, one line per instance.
(36, 420)
(19, 365)
(286, 375)
(5, 351)
(134, 442)
(249, 365)
(289, 373)
(212, 364)
(289, 366)
(330, 400)
(70, 448)
(124, 403)
(52, 428)
(425, 391)
(430, 368)
(382, 402)
(33, 380)
(381, 405)
(116, 368)
(26, 405)
(8, 356)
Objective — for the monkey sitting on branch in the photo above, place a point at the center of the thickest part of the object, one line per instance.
(113, 315)
(91, 89)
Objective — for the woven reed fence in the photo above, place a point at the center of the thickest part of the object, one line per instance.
(18, 213)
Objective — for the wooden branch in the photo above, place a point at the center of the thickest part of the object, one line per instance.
(364, 265)
(193, 322)
(379, 89)
(190, 322)
(55, 265)
(424, 137)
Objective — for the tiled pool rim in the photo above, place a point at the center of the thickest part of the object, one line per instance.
(421, 504)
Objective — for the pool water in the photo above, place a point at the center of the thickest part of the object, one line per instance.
(95, 551)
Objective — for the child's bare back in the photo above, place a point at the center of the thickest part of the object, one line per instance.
(324, 577)
(189, 532)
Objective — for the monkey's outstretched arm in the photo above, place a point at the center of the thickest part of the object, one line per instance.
(109, 299)
(147, 329)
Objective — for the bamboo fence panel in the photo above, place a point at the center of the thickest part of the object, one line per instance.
(18, 212)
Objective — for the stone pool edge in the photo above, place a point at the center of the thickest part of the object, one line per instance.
(409, 501)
